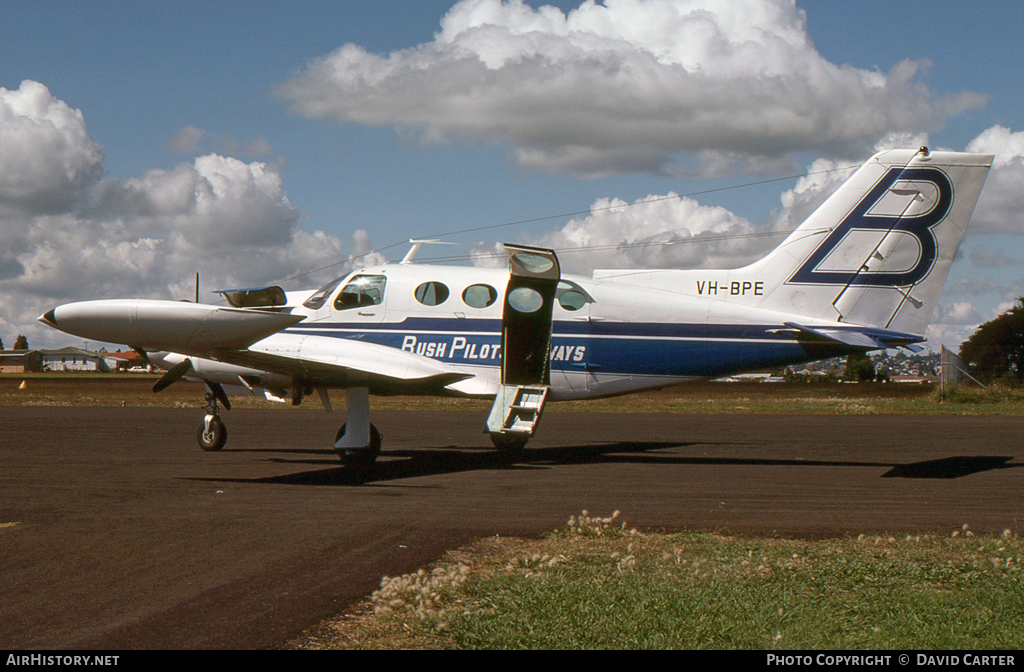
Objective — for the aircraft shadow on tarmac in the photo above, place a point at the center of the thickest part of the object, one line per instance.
(950, 467)
(398, 464)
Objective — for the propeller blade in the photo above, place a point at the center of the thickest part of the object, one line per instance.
(177, 372)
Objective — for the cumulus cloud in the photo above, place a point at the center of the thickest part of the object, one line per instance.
(655, 232)
(949, 335)
(186, 141)
(672, 231)
(957, 312)
(1001, 206)
(194, 141)
(69, 233)
(952, 324)
(626, 86)
(215, 204)
(47, 157)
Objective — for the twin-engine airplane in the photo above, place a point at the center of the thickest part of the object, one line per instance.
(862, 273)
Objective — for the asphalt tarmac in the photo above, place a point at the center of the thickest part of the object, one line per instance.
(116, 531)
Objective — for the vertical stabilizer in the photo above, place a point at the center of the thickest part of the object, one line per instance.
(877, 252)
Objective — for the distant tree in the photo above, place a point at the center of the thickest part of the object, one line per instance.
(859, 367)
(21, 343)
(996, 348)
(1, 344)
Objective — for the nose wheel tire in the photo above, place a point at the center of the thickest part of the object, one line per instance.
(212, 434)
(360, 457)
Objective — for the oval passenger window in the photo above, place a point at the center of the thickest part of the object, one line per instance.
(432, 293)
(534, 263)
(479, 296)
(525, 300)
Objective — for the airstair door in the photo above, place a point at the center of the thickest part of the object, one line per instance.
(525, 341)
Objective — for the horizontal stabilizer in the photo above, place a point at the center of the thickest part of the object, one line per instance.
(868, 338)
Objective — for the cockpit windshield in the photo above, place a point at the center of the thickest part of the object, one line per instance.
(316, 301)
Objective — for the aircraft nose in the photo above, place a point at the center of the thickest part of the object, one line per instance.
(49, 318)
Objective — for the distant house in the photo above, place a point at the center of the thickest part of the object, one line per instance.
(123, 361)
(751, 378)
(920, 380)
(72, 359)
(809, 373)
(20, 361)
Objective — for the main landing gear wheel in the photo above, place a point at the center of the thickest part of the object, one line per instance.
(212, 434)
(360, 457)
(510, 446)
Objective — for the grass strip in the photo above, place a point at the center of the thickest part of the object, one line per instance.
(701, 397)
(597, 585)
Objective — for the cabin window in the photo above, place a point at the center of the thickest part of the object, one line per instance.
(361, 291)
(479, 296)
(534, 263)
(571, 296)
(317, 300)
(572, 300)
(525, 300)
(432, 293)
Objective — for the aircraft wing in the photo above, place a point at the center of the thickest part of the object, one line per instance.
(323, 362)
(255, 339)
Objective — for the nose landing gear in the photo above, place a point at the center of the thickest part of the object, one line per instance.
(213, 434)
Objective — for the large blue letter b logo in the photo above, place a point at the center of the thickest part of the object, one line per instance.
(918, 225)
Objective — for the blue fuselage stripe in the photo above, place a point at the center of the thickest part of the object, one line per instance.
(651, 349)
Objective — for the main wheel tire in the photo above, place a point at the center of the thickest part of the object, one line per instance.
(510, 446)
(213, 439)
(360, 457)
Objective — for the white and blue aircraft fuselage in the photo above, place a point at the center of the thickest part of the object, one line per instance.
(863, 272)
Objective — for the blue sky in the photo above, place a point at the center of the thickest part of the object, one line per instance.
(162, 85)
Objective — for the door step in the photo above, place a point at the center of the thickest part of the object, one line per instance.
(517, 409)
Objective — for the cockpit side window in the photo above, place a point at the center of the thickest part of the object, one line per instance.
(361, 291)
(316, 301)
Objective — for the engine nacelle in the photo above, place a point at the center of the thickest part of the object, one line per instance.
(235, 379)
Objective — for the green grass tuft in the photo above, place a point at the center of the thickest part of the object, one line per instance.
(606, 587)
